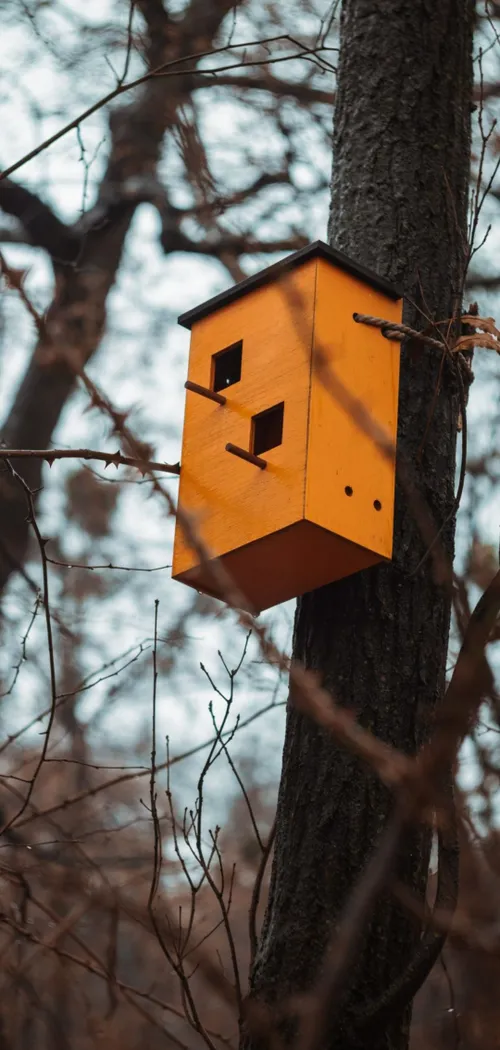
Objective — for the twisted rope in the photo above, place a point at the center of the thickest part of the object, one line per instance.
(397, 332)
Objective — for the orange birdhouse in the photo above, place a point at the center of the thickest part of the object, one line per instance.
(281, 472)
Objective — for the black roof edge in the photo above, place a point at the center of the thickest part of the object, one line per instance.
(318, 249)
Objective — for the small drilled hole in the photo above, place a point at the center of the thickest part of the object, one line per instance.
(348, 490)
(377, 504)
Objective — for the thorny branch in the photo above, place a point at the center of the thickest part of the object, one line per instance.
(115, 459)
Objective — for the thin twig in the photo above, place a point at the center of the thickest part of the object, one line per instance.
(50, 645)
(82, 795)
(256, 892)
(165, 70)
(157, 857)
(115, 459)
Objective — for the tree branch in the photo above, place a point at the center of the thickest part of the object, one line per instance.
(174, 240)
(302, 92)
(486, 282)
(14, 233)
(77, 315)
(163, 72)
(116, 459)
(42, 227)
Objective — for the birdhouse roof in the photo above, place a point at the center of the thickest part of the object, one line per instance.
(318, 249)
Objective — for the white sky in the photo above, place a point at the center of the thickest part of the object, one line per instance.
(141, 363)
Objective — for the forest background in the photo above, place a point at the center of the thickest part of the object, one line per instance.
(178, 188)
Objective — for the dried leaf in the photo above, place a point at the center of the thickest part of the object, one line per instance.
(468, 342)
(485, 324)
(488, 340)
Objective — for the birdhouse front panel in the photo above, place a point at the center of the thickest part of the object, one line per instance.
(281, 470)
(354, 406)
(253, 353)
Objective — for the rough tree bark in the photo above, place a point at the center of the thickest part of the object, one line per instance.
(379, 638)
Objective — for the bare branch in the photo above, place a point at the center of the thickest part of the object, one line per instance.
(115, 459)
(42, 227)
(166, 71)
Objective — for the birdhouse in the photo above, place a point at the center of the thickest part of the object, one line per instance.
(280, 473)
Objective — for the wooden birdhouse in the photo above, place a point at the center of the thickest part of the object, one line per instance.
(280, 478)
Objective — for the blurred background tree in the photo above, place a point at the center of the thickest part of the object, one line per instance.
(161, 197)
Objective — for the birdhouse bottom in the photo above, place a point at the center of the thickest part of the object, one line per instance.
(285, 563)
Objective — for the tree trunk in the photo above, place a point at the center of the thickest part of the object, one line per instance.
(379, 638)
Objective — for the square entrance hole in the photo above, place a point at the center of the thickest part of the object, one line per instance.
(267, 429)
(226, 366)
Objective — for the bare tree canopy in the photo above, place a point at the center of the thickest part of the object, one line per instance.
(161, 884)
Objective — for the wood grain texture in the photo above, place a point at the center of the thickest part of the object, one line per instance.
(235, 503)
(256, 519)
(364, 367)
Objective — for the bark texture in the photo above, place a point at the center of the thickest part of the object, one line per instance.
(379, 638)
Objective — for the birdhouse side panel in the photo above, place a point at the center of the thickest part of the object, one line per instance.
(354, 400)
(233, 502)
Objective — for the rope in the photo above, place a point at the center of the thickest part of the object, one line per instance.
(397, 332)
(392, 330)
